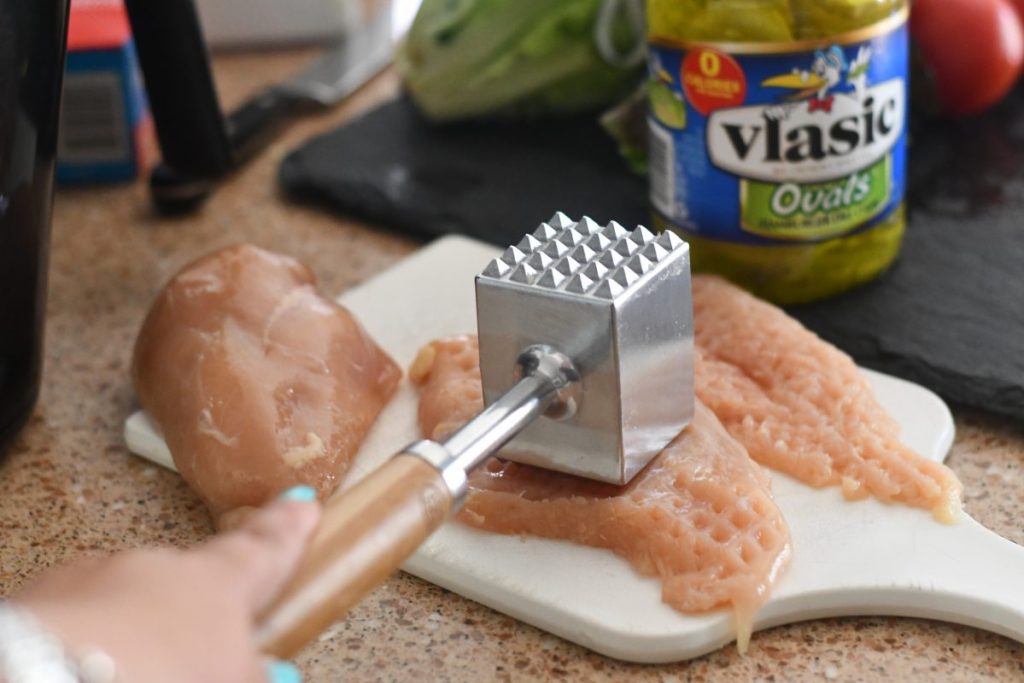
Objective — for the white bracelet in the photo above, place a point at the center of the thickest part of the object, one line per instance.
(31, 654)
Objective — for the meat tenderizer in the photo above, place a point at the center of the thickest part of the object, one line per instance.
(586, 358)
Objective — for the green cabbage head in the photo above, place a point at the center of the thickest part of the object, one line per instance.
(475, 58)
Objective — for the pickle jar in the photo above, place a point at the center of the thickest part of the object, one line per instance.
(777, 138)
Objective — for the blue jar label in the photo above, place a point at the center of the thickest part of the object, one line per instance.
(762, 143)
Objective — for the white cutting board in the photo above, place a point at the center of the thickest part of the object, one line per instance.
(849, 558)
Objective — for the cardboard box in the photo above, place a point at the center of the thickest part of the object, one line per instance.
(105, 126)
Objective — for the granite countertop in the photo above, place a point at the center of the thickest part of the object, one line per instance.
(69, 487)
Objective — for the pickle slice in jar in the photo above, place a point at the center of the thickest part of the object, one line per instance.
(721, 20)
(823, 18)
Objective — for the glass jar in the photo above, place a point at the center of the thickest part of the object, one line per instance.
(778, 138)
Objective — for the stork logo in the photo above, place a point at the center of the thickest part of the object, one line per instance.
(828, 125)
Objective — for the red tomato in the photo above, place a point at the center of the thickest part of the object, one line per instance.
(973, 48)
(1019, 4)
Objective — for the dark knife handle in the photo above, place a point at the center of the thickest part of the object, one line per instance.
(252, 126)
(175, 193)
(249, 129)
(179, 83)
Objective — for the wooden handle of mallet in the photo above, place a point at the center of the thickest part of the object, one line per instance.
(363, 537)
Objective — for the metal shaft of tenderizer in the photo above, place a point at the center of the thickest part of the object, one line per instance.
(546, 373)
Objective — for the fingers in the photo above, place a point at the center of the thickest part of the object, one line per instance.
(64, 579)
(261, 554)
(282, 672)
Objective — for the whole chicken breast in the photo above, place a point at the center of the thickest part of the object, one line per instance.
(257, 382)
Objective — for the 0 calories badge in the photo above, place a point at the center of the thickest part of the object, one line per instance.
(712, 80)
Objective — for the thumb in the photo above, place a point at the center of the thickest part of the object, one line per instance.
(262, 553)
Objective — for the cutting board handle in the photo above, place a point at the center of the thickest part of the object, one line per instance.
(962, 573)
(977, 577)
(364, 535)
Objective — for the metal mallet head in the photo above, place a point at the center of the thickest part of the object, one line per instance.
(612, 309)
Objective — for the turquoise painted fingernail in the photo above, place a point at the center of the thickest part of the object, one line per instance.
(284, 672)
(302, 493)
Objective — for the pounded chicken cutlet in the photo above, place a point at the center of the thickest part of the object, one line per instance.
(700, 517)
(800, 405)
(257, 382)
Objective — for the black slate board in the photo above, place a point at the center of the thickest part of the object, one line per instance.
(490, 181)
(949, 315)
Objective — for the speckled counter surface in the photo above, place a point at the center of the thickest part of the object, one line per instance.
(69, 486)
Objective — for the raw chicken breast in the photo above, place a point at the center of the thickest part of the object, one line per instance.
(800, 405)
(257, 382)
(700, 517)
(447, 372)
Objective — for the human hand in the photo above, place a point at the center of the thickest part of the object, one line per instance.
(181, 616)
